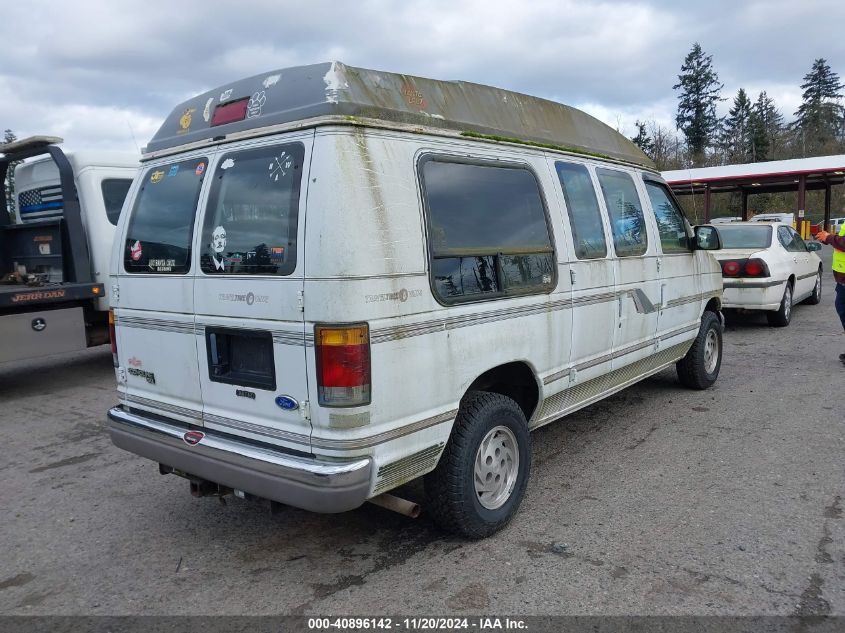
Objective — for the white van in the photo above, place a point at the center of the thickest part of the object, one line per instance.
(786, 218)
(331, 281)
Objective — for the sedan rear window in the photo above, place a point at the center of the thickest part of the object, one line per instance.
(745, 236)
(161, 227)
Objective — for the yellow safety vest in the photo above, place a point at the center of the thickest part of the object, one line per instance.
(839, 256)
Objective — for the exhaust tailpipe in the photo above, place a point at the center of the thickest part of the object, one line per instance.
(397, 504)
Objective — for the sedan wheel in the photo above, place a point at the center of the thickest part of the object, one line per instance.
(816, 297)
(783, 315)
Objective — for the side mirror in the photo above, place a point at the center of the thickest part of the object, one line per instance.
(707, 238)
(814, 246)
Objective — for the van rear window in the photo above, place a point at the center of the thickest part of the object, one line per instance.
(161, 227)
(251, 218)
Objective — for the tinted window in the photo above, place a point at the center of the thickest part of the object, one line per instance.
(114, 193)
(250, 222)
(487, 229)
(582, 207)
(625, 211)
(745, 236)
(161, 228)
(670, 220)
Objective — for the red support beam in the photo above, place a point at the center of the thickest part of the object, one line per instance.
(826, 221)
(802, 191)
(706, 204)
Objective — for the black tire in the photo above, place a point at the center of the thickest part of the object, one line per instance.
(816, 298)
(450, 488)
(783, 315)
(698, 370)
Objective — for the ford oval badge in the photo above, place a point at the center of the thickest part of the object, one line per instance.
(287, 403)
(192, 438)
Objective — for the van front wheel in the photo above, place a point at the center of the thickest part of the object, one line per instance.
(482, 475)
(700, 367)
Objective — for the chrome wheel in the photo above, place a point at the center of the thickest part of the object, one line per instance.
(496, 467)
(711, 351)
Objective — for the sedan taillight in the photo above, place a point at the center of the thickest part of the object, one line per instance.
(754, 267)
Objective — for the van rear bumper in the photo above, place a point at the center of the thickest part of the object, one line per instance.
(303, 482)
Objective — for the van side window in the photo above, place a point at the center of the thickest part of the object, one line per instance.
(582, 208)
(161, 227)
(670, 220)
(488, 231)
(114, 193)
(625, 211)
(253, 207)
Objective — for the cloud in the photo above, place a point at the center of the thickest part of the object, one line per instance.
(88, 67)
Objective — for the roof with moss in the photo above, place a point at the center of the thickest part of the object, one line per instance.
(333, 89)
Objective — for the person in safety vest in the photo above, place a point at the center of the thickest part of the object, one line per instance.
(838, 244)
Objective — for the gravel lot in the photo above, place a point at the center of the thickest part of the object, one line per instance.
(658, 500)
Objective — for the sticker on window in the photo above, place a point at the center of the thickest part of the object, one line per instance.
(200, 170)
(156, 176)
(279, 166)
(162, 265)
(228, 163)
(218, 244)
(136, 251)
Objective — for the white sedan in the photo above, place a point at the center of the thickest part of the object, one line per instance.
(767, 266)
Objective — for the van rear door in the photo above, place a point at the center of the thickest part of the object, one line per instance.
(154, 298)
(250, 333)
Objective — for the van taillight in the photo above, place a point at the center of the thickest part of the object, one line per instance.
(113, 338)
(343, 364)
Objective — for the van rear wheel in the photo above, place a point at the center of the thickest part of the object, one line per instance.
(700, 367)
(483, 473)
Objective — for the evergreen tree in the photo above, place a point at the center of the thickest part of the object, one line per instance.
(766, 129)
(643, 140)
(820, 117)
(8, 137)
(736, 136)
(700, 91)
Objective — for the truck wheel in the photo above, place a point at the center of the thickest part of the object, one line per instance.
(816, 297)
(700, 367)
(483, 472)
(782, 316)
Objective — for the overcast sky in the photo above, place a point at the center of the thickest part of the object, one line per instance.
(98, 73)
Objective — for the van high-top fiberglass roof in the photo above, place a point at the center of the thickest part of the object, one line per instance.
(309, 95)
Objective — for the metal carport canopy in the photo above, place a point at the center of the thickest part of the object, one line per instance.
(799, 175)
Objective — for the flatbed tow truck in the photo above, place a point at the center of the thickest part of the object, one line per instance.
(54, 258)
